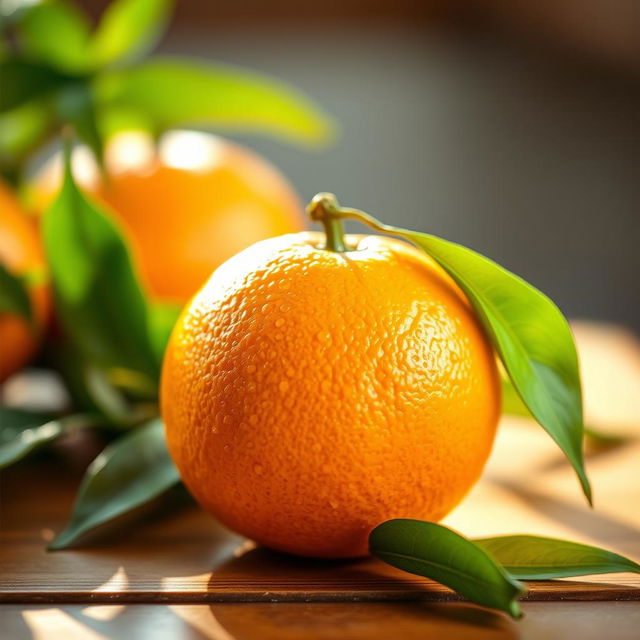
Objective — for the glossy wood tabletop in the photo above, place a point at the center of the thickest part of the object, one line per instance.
(214, 584)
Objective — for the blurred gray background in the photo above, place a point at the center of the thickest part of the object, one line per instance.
(512, 128)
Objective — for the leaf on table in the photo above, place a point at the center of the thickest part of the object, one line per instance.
(132, 470)
(175, 91)
(22, 81)
(14, 298)
(537, 558)
(57, 33)
(436, 552)
(99, 299)
(128, 29)
(22, 432)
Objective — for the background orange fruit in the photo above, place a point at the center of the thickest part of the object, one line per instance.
(309, 395)
(21, 254)
(187, 205)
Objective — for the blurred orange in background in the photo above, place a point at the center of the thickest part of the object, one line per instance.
(187, 204)
(21, 254)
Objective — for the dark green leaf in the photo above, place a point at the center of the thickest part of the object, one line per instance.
(175, 92)
(22, 432)
(132, 470)
(14, 298)
(129, 28)
(536, 558)
(57, 33)
(21, 81)
(98, 297)
(436, 552)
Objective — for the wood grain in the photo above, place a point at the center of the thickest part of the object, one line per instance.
(180, 555)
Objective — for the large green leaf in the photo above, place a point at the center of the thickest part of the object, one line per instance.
(129, 28)
(173, 92)
(436, 552)
(132, 470)
(21, 81)
(528, 331)
(57, 33)
(22, 432)
(14, 298)
(537, 558)
(98, 297)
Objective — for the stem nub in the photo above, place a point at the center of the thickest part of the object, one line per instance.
(324, 208)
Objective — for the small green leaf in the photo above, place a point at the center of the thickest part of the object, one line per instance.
(21, 131)
(22, 432)
(132, 470)
(58, 33)
(174, 92)
(98, 297)
(537, 558)
(14, 298)
(22, 81)
(436, 552)
(129, 28)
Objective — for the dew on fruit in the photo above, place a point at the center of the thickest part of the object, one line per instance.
(279, 322)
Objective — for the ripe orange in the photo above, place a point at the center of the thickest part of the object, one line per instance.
(309, 395)
(188, 204)
(21, 254)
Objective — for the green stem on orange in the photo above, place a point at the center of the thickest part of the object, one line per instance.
(324, 208)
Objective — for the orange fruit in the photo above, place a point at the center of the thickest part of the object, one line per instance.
(188, 203)
(21, 254)
(309, 395)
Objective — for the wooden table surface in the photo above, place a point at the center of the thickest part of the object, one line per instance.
(178, 574)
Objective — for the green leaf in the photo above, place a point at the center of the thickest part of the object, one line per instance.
(512, 405)
(22, 432)
(537, 558)
(14, 298)
(21, 131)
(531, 336)
(75, 105)
(129, 28)
(57, 33)
(98, 297)
(162, 318)
(22, 81)
(436, 552)
(528, 331)
(174, 92)
(132, 470)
